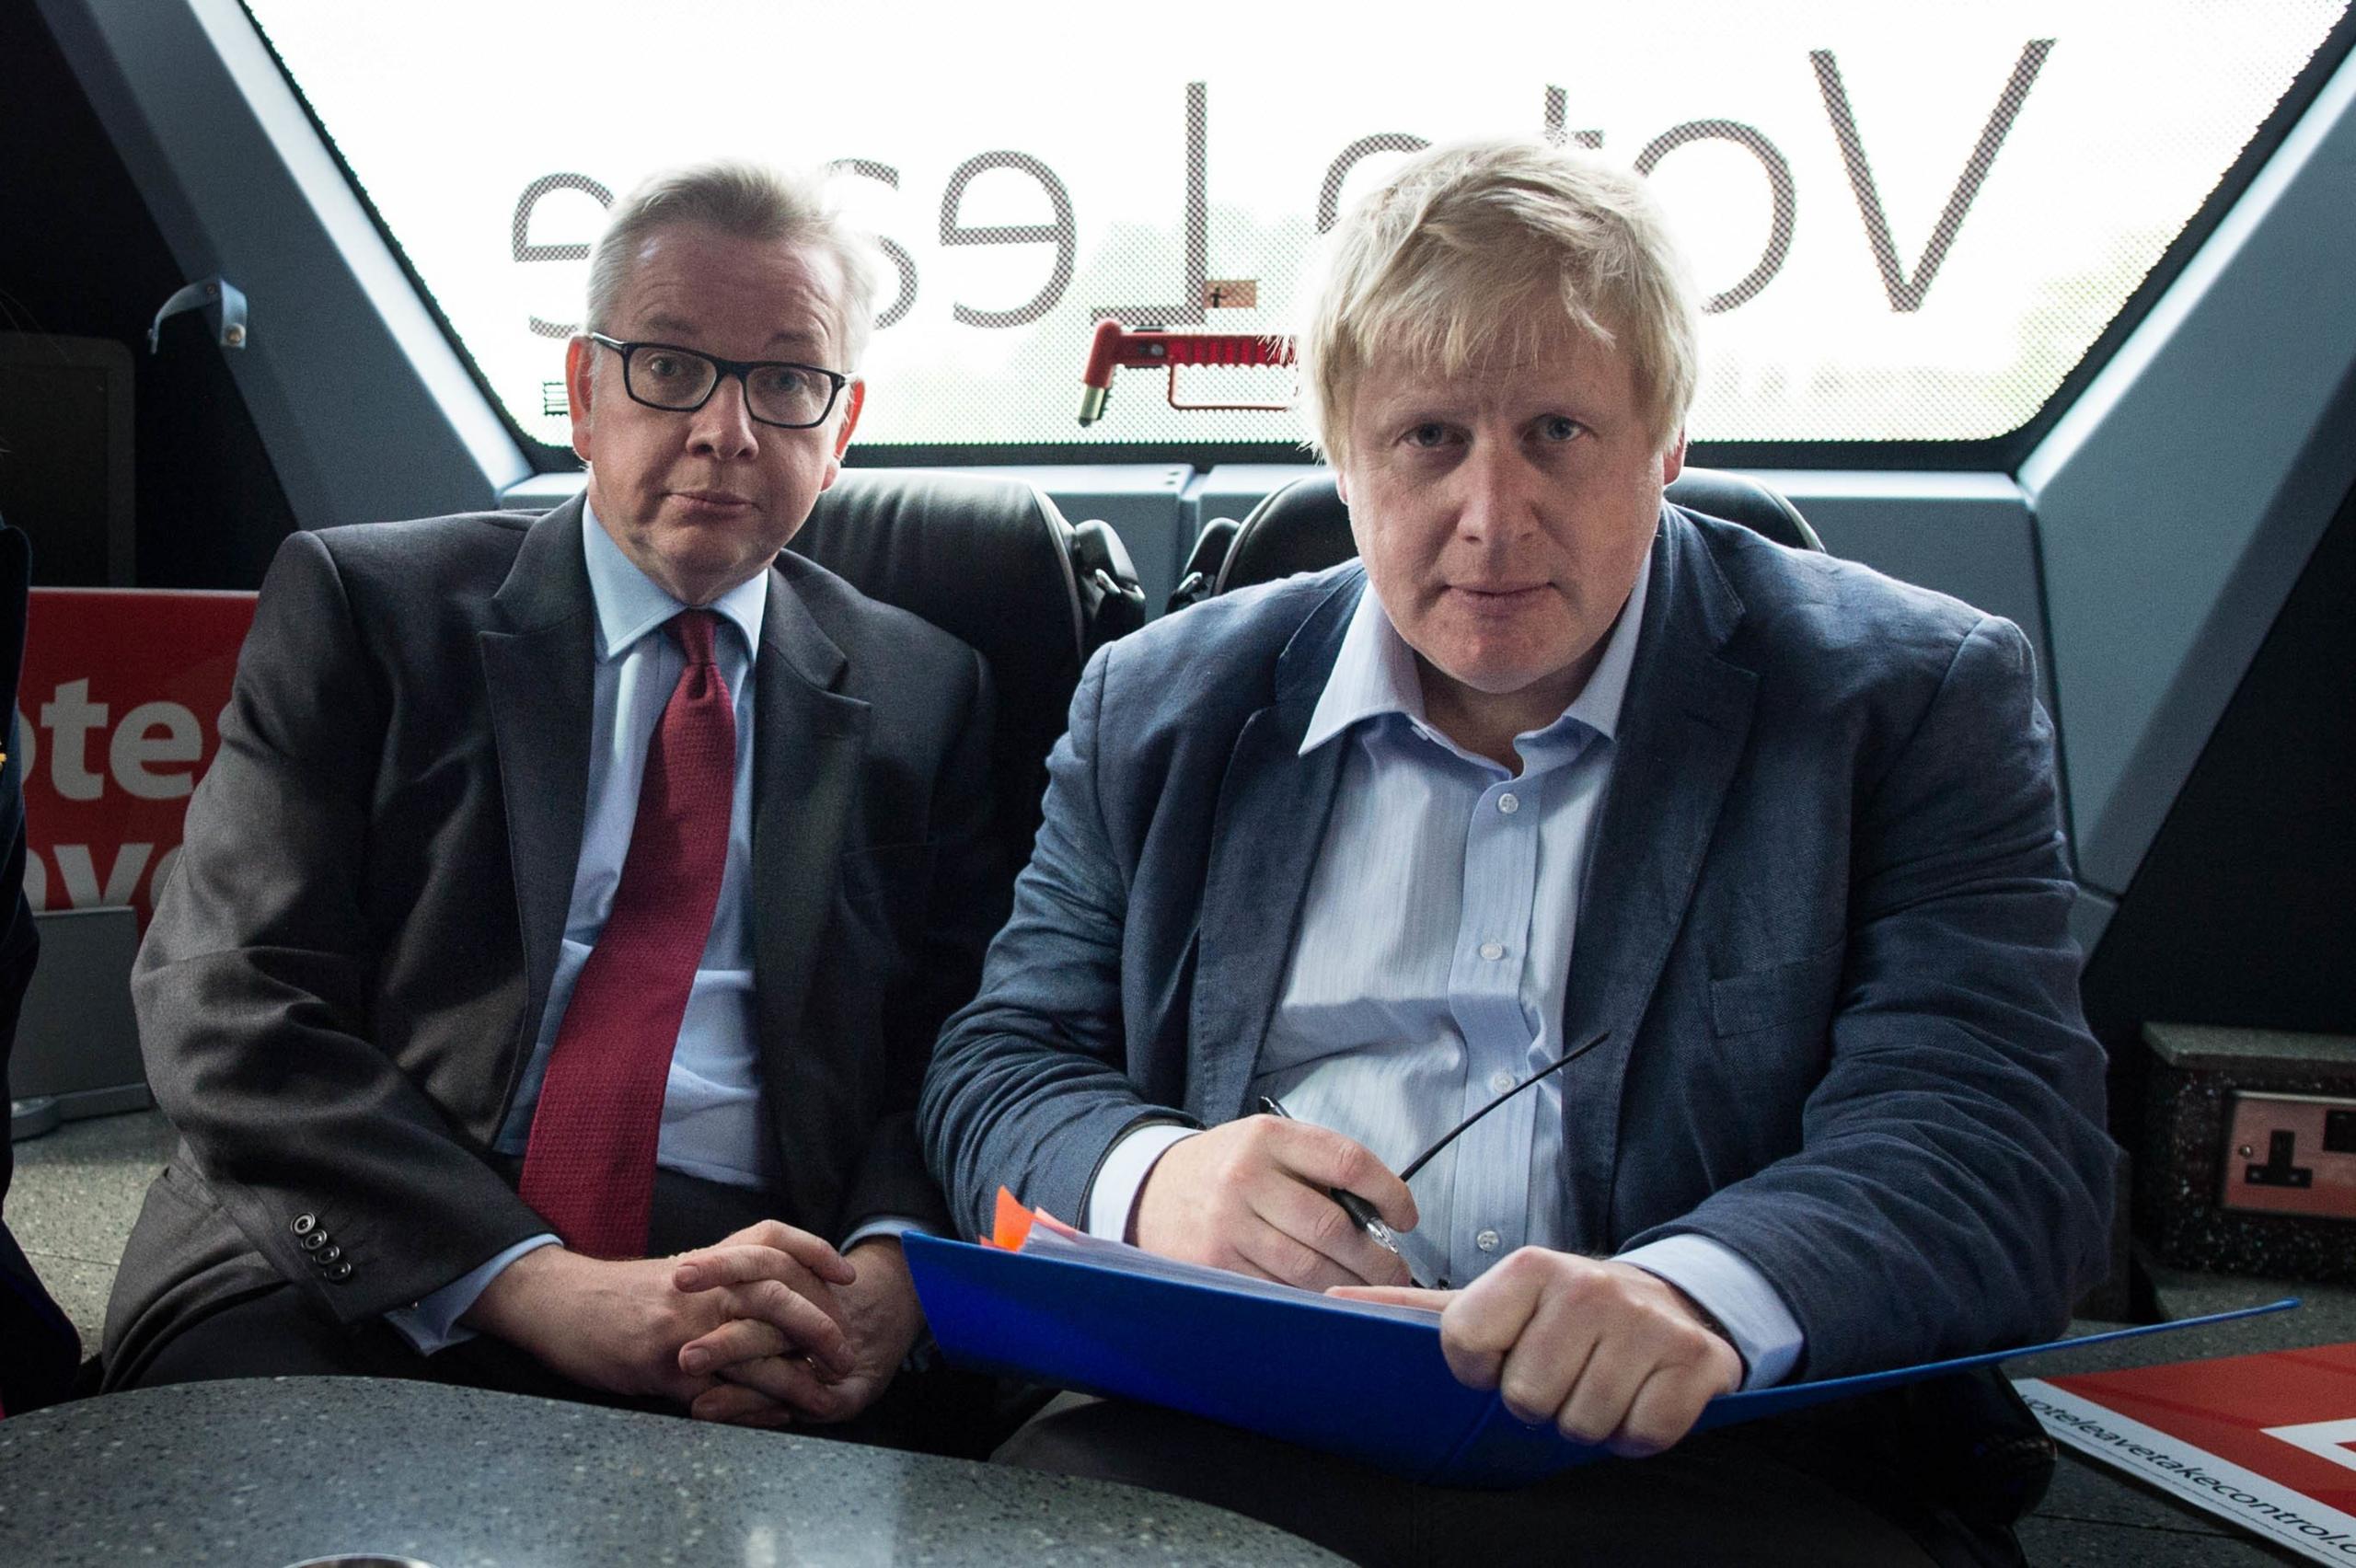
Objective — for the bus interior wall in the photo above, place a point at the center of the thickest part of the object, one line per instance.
(80, 256)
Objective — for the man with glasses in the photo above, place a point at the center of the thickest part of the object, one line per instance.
(573, 892)
(1761, 847)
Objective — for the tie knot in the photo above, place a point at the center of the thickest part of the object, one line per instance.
(694, 630)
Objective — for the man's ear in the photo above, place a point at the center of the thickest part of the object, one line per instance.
(578, 360)
(854, 399)
(1357, 523)
(1672, 462)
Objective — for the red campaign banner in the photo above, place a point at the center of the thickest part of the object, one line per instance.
(118, 716)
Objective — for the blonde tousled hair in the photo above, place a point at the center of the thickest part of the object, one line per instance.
(1448, 261)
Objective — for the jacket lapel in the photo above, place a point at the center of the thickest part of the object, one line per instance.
(538, 672)
(1684, 724)
(811, 743)
(1273, 807)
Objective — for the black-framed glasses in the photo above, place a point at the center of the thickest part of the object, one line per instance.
(667, 376)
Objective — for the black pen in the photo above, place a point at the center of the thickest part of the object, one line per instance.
(1360, 1211)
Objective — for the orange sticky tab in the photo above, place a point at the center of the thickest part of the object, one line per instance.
(1012, 1223)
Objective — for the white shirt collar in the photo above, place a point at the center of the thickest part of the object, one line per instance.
(1375, 673)
(630, 604)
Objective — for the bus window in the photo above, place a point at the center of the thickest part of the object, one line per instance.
(1911, 224)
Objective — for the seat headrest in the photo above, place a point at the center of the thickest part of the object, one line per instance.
(1305, 526)
(985, 559)
(1738, 497)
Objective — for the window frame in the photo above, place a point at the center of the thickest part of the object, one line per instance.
(1998, 454)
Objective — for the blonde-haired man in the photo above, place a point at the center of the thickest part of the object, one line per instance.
(1554, 761)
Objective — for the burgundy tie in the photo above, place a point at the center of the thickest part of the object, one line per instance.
(589, 1168)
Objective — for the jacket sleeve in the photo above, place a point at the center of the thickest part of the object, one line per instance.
(255, 986)
(1953, 1177)
(1028, 1088)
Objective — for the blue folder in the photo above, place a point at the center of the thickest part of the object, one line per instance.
(1372, 1388)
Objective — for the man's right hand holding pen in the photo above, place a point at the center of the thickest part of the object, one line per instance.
(1256, 1197)
(1608, 1352)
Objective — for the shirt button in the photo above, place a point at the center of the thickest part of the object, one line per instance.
(1509, 804)
(1493, 951)
(1487, 1240)
(1500, 1080)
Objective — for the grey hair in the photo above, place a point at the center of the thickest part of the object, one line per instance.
(1443, 262)
(747, 200)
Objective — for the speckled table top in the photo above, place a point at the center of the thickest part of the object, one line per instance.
(265, 1472)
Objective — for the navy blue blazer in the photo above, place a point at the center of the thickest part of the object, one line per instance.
(1825, 926)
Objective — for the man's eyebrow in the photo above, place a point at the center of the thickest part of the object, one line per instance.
(811, 341)
(1422, 402)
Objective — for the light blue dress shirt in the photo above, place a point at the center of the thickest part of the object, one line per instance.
(714, 1120)
(1429, 972)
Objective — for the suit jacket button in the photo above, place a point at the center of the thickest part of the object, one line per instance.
(315, 1240)
(306, 1222)
(341, 1273)
(327, 1255)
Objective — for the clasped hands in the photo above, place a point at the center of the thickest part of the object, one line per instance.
(769, 1327)
(1608, 1353)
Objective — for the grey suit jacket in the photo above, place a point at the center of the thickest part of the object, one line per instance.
(347, 971)
(1824, 927)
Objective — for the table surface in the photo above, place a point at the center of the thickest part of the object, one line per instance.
(261, 1472)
